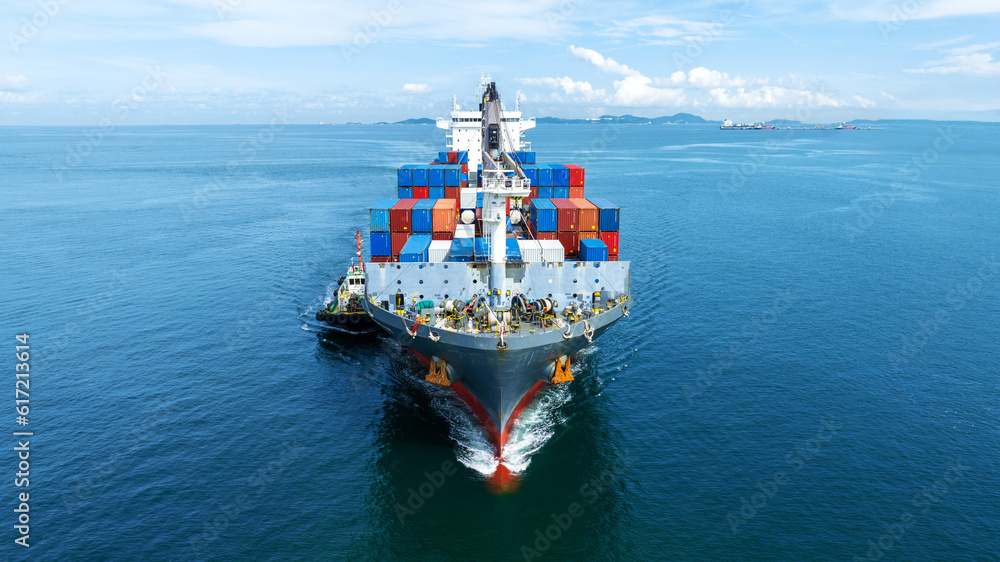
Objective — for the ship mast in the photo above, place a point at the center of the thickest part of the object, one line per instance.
(497, 186)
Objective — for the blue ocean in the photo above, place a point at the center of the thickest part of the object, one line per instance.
(809, 371)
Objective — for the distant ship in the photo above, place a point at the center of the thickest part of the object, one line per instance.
(845, 126)
(497, 302)
(728, 125)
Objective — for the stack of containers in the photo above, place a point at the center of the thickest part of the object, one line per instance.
(443, 221)
(576, 174)
(401, 224)
(416, 248)
(531, 172)
(380, 233)
(544, 182)
(552, 251)
(435, 178)
(531, 251)
(568, 224)
(593, 250)
(608, 226)
(525, 156)
(461, 250)
(589, 218)
(422, 216)
(560, 181)
(543, 219)
(420, 179)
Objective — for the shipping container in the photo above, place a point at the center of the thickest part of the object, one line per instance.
(380, 243)
(404, 177)
(610, 239)
(382, 259)
(609, 214)
(552, 251)
(531, 252)
(451, 193)
(416, 248)
(479, 200)
(380, 216)
(435, 193)
(467, 198)
(452, 176)
(420, 176)
(593, 250)
(575, 192)
(531, 172)
(444, 215)
(465, 231)
(463, 157)
(404, 192)
(560, 192)
(400, 215)
(568, 217)
(570, 241)
(461, 250)
(453, 157)
(438, 250)
(422, 192)
(560, 175)
(544, 176)
(526, 156)
(592, 235)
(443, 157)
(589, 215)
(422, 215)
(398, 241)
(544, 217)
(545, 235)
(576, 174)
(442, 235)
(545, 192)
(513, 251)
(435, 176)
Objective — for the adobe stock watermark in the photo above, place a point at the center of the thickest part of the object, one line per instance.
(749, 507)
(418, 496)
(901, 13)
(48, 10)
(563, 11)
(248, 150)
(912, 171)
(589, 492)
(923, 501)
(751, 331)
(377, 22)
(956, 300)
(610, 132)
(694, 46)
(121, 108)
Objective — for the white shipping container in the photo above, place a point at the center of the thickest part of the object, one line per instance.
(467, 198)
(438, 251)
(552, 251)
(531, 252)
(465, 231)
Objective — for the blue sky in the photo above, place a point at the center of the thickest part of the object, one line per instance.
(240, 61)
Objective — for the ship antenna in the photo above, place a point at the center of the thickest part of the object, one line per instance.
(361, 262)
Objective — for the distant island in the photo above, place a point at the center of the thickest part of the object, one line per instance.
(676, 119)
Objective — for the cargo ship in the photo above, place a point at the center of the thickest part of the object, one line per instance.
(494, 270)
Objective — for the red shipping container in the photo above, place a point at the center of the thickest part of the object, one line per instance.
(590, 215)
(465, 168)
(443, 236)
(464, 184)
(570, 241)
(568, 215)
(421, 192)
(453, 157)
(381, 259)
(546, 236)
(451, 192)
(444, 215)
(576, 174)
(576, 192)
(400, 217)
(398, 241)
(611, 240)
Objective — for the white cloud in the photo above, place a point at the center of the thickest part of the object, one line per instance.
(608, 65)
(977, 64)
(636, 91)
(974, 48)
(417, 89)
(862, 102)
(13, 83)
(770, 97)
(567, 85)
(897, 11)
(668, 30)
(888, 96)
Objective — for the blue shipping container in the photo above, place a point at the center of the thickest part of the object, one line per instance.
(560, 175)
(435, 176)
(435, 192)
(381, 243)
(609, 215)
(463, 157)
(380, 215)
(531, 172)
(415, 249)
(420, 176)
(404, 177)
(513, 250)
(453, 175)
(560, 192)
(545, 192)
(543, 215)
(592, 249)
(544, 176)
(461, 250)
(443, 157)
(422, 216)
(405, 193)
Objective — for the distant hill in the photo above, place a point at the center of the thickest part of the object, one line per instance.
(678, 119)
(421, 121)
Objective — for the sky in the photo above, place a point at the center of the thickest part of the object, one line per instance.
(87, 62)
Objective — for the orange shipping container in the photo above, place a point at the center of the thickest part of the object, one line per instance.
(444, 215)
(590, 215)
(576, 192)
